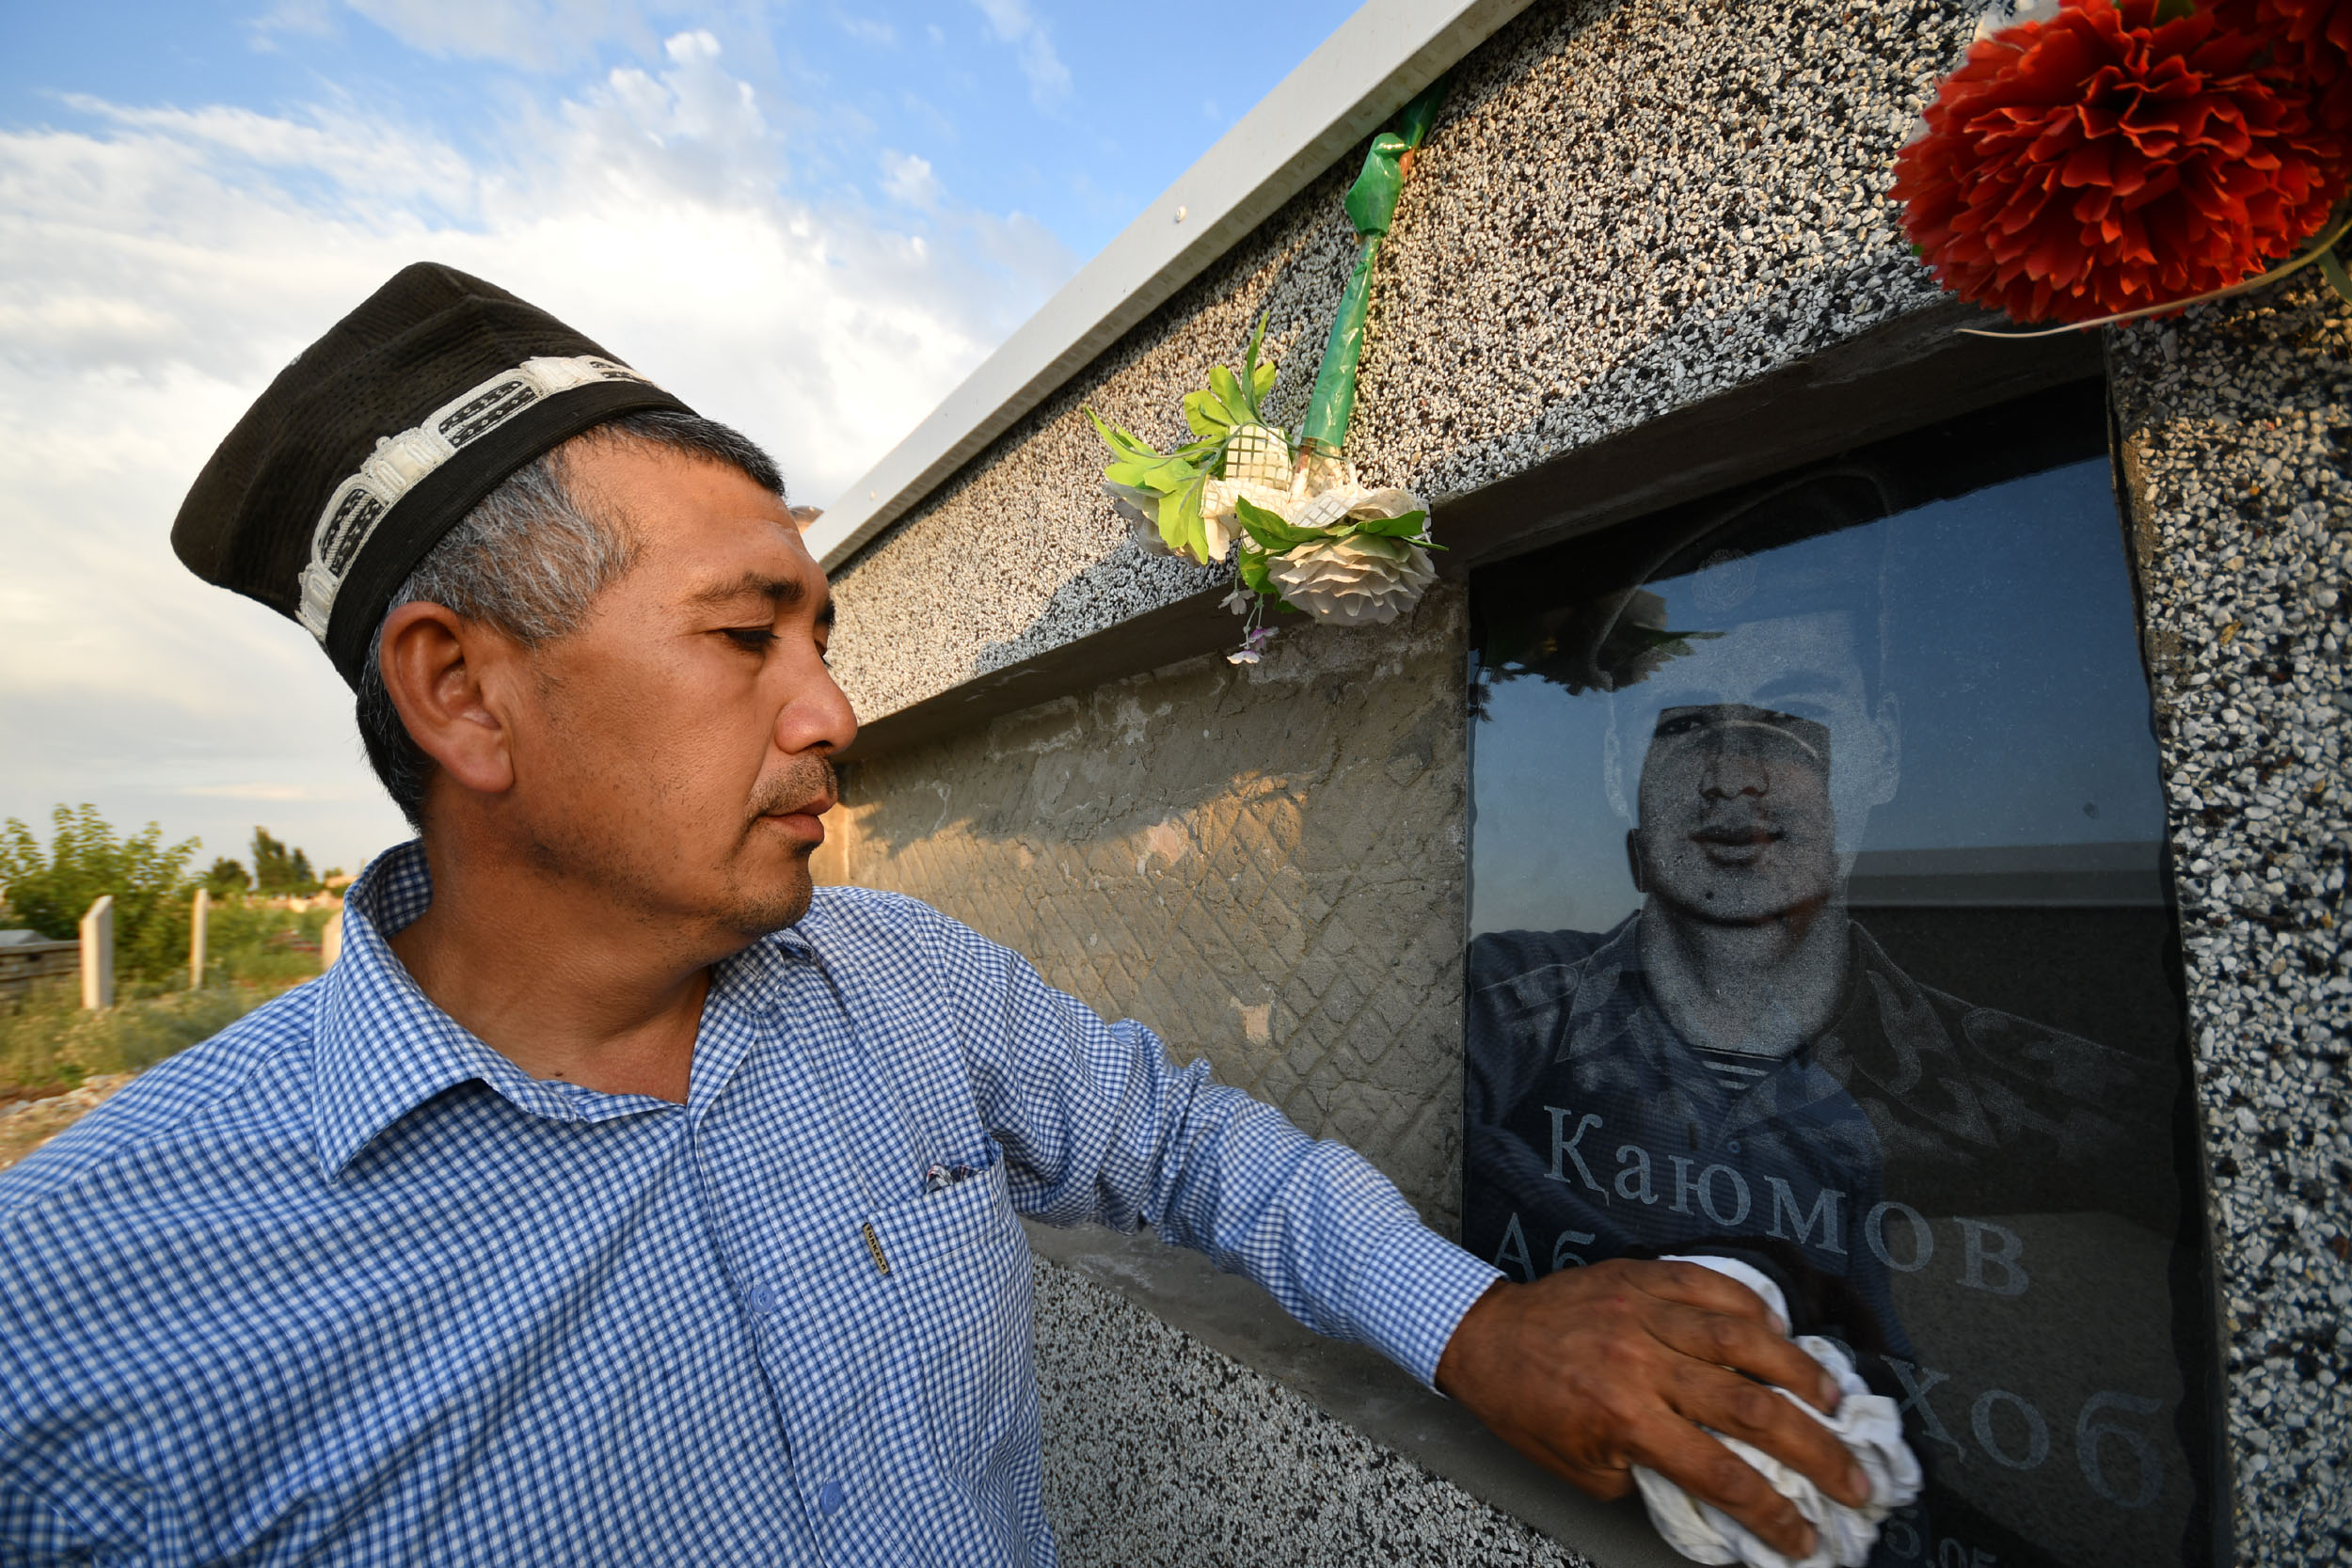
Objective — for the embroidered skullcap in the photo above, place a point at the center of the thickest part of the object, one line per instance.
(380, 437)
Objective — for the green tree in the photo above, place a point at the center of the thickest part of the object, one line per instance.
(50, 891)
(278, 867)
(226, 876)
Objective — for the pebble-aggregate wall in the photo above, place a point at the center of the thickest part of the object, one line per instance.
(2236, 424)
(1214, 1465)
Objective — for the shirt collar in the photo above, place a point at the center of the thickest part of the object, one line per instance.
(382, 1048)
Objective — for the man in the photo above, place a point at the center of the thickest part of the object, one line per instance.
(616, 1196)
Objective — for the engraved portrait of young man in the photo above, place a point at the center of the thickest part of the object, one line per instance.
(1739, 1066)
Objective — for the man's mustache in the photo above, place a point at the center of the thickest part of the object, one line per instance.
(809, 784)
(1732, 821)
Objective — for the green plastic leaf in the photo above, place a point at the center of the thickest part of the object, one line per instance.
(1207, 416)
(1170, 518)
(2331, 268)
(1256, 378)
(1393, 549)
(2174, 10)
(1256, 570)
(1227, 387)
(1270, 528)
(1119, 439)
(1181, 525)
(1161, 474)
(1410, 526)
(1251, 566)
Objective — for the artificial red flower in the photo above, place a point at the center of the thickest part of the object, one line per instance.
(2102, 161)
(2316, 37)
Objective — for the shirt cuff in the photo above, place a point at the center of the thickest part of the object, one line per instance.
(1421, 1289)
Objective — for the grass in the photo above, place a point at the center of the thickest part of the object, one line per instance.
(49, 1043)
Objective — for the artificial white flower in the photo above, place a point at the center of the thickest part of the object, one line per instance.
(1221, 531)
(1142, 509)
(1359, 580)
(1341, 502)
(1218, 495)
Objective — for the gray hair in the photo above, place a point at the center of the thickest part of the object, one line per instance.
(528, 561)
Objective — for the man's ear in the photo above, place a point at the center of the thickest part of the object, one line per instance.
(1633, 861)
(435, 665)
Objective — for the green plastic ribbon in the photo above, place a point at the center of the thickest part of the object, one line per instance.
(1371, 207)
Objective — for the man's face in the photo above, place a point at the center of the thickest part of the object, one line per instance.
(1737, 824)
(1763, 742)
(675, 753)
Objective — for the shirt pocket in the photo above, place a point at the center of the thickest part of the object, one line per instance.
(956, 1300)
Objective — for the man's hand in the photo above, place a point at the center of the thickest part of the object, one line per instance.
(1592, 1371)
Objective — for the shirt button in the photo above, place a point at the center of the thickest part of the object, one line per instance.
(760, 1298)
(829, 1498)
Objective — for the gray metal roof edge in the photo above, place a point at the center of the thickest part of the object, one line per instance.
(1364, 73)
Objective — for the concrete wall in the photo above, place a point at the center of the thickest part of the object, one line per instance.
(1264, 862)
(2236, 424)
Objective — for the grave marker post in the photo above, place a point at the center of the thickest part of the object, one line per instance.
(97, 955)
(195, 938)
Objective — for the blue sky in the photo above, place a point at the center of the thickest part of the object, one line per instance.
(811, 219)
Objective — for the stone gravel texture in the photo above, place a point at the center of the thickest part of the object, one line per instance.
(2236, 426)
(1204, 1463)
(1623, 209)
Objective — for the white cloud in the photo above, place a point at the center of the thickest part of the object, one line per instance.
(272, 792)
(908, 179)
(300, 18)
(155, 271)
(1011, 21)
(533, 34)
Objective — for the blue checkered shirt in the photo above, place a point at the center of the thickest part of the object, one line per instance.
(342, 1284)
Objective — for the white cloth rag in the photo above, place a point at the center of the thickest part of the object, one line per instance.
(1866, 1423)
